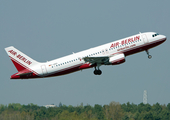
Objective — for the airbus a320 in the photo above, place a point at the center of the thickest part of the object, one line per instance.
(112, 53)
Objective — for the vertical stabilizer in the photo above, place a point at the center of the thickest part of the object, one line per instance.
(19, 59)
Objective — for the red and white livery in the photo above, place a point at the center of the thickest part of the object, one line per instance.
(113, 53)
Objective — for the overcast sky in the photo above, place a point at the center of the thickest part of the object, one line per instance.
(46, 30)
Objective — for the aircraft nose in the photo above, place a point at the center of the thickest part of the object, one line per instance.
(165, 38)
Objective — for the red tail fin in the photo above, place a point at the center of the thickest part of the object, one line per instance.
(19, 59)
(17, 65)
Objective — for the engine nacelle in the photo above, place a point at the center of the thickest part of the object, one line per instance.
(117, 59)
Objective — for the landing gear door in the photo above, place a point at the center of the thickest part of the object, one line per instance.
(44, 70)
(145, 39)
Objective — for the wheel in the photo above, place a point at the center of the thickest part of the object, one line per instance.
(149, 56)
(97, 72)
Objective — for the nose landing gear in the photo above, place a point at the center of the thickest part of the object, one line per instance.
(149, 56)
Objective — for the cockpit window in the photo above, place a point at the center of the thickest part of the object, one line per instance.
(155, 35)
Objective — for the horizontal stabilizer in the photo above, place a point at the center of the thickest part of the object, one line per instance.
(23, 74)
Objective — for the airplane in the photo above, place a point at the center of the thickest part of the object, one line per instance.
(113, 53)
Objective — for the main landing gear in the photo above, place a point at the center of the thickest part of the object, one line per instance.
(97, 71)
(149, 56)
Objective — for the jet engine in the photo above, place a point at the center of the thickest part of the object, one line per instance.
(116, 59)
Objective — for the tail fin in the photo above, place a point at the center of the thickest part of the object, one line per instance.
(19, 59)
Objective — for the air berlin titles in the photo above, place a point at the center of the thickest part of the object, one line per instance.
(126, 41)
(20, 57)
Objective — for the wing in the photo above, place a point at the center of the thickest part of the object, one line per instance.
(98, 60)
(106, 60)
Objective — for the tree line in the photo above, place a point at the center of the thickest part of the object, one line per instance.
(113, 111)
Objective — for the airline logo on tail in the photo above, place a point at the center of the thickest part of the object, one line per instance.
(20, 57)
(23, 64)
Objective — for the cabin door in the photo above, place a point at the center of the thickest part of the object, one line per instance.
(44, 70)
(145, 40)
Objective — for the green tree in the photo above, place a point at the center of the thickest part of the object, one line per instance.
(113, 111)
(147, 107)
(165, 115)
(168, 106)
(10, 106)
(148, 116)
(87, 108)
(125, 117)
(79, 110)
(136, 116)
(60, 104)
(140, 107)
(156, 108)
(2, 108)
(71, 108)
(99, 111)
(129, 107)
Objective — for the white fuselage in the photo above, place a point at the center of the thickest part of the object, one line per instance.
(71, 63)
(112, 53)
